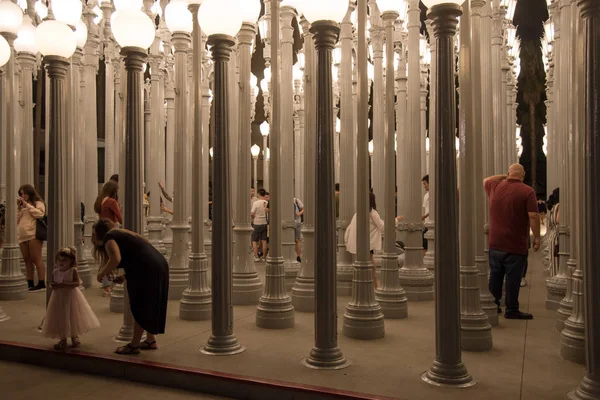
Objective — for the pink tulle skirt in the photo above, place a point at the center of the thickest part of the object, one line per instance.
(68, 314)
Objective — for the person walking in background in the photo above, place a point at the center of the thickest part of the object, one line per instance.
(68, 314)
(298, 219)
(30, 208)
(513, 211)
(376, 226)
(258, 213)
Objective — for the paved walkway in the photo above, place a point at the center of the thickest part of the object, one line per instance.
(524, 364)
(27, 382)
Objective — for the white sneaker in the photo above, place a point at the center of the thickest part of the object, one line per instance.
(257, 259)
(523, 282)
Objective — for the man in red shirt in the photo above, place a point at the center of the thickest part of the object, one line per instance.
(513, 211)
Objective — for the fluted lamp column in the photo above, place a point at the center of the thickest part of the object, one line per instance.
(13, 285)
(326, 353)
(275, 309)
(247, 287)
(134, 32)
(195, 303)
(363, 318)
(255, 151)
(221, 20)
(589, 387)
(180, 24)
(448, 368)
(5, 55)
(390, 295)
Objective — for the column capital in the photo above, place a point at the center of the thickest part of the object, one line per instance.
(246, 34)
(26, 60)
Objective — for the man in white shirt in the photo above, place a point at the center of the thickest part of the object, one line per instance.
(259, 221)
(425, 217)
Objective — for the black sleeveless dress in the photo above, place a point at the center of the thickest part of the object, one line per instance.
(147, 273)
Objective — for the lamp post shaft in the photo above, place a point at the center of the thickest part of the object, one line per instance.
(363, 318)
(247, 287)
(416, 280)
(347, 195)
(223, 340)
(590, 385)
(195, 301)
(447, 368)
(325, 354)
(179, 261)
(390, 295)
(12, 282)
(303, 292)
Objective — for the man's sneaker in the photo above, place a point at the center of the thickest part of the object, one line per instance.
(523, 282)
(517, 315)
(298, 259)
(257, 259)
(38, 288)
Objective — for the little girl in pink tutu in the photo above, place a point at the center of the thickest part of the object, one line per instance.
(68, 314)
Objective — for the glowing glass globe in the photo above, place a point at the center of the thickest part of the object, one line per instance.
(67, 11)
(4, 51)
(330, 10)
(128, 5)
(11, 17)
(54, 38)
(220, 17)
(26, 37)
(431, 3)
(132, 29)
(178, 17)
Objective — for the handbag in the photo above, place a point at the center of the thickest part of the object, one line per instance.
(41, 228)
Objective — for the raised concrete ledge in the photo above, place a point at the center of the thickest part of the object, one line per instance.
(186, 378)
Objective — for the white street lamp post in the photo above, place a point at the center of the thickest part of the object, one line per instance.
(179, 21)
(13, 285)
(275, 310)
(264, 131)
(247, 287)
(255, 151)
(416, 280)
(390, 295)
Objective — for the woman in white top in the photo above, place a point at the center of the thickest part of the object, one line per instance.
(376, 225)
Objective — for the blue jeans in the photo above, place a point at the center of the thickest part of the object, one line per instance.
(511, 265)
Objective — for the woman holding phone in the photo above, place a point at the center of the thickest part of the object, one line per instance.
(31, 207)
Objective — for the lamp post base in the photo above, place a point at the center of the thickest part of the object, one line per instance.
(178, 263)
(196, 299)
(275, 310)
(117, 299)
(485, 297)
(363, 318)
(247, 287)
(557, 289)
(448, 375)
(391, 297)
(3, 316)
(326, 359)
(222, 346)
(83, 267)
(13, 285)
(303, 291)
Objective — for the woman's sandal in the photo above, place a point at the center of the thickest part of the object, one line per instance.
(75, 342)
(61, 345)
(128, 349)
(146, 345)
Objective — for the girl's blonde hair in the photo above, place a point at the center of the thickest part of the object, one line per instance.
(68, 252)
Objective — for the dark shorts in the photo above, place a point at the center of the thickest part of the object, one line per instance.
(259, 233)
(425, 240)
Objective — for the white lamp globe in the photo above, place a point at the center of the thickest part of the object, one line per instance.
(128, 5)
(25, 42)
(221, 17)
(178, 17)
(250, 10)
(431, 3)
(4, 51)
(11, 17)
(81, 33)
(199, 2)
(54, 38)
(264, 128)
(67, 11)
(389, 5)
(132, 29)
(255, 151)
(319, 10)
